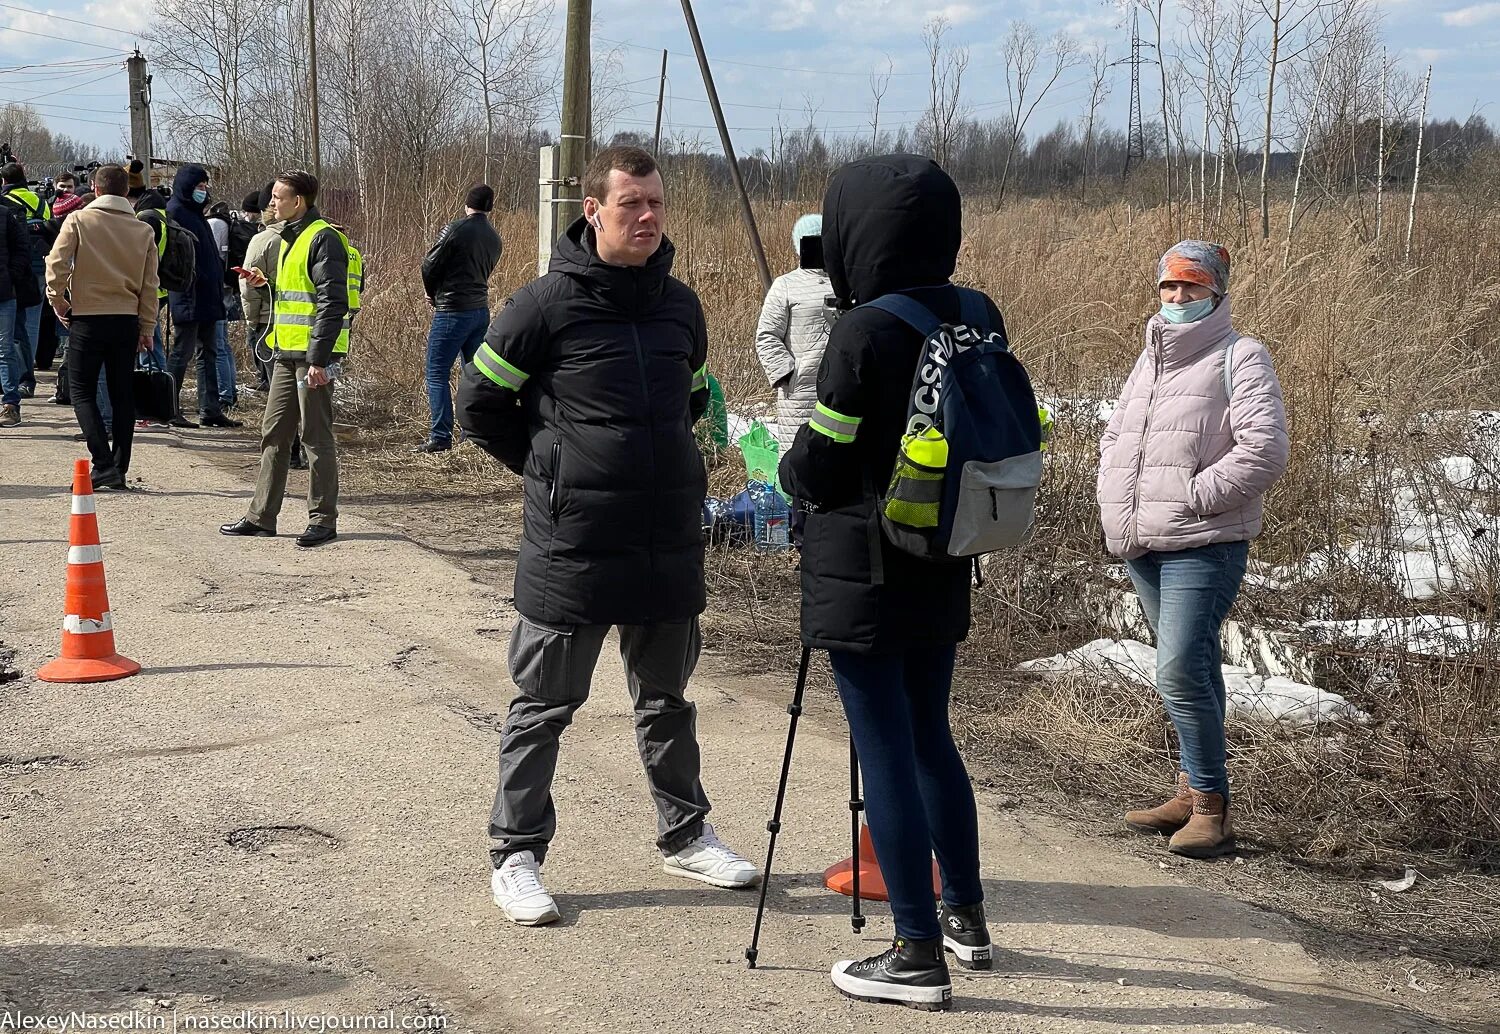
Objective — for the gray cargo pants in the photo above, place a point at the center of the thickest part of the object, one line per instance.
(552, 667)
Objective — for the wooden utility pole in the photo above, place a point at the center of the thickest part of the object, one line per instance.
(312, 85)
(573, 152)
(140, 112)
(746, 212)
(661, 96)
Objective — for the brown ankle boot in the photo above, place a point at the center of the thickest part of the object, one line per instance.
(1209, 833)
(1165, 819)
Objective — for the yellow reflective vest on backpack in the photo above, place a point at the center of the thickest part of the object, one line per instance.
(32, 207)
(161, 243)
(294, 306)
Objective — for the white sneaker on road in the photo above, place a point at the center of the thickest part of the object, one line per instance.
(710, 860)
(517, 886)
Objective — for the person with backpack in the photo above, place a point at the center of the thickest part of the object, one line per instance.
(891, 615)
(36, 214)
(318, 279)
(197, 310)
(15, 270)
(1196, 441)
(588, 386)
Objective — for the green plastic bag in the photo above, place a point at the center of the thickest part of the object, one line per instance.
(762, 453)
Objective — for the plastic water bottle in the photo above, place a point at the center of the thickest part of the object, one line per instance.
(773, 518)
(334, 370)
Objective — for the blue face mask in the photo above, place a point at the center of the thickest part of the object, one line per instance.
(1187, 312)
(200, 195)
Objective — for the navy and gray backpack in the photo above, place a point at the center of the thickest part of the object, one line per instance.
(970, 463)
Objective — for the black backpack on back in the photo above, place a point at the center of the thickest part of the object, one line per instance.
(241, 234)
(177, 256)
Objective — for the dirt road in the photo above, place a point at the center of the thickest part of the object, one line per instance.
(286, 811)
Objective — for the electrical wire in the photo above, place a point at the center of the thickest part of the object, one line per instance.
(74, 21)
(748, 64)
(76, 42)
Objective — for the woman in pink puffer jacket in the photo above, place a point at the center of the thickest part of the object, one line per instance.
(1191, 450)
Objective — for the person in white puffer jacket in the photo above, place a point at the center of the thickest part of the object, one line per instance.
(793, 331)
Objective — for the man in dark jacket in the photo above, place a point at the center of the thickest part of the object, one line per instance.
(588, 385)
(36, 217)
(456, 276)
(890, 621)
(310, 325)
(15, 271)
(197, 312)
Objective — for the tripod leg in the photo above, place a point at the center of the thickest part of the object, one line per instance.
(856, 806)
(774, 826)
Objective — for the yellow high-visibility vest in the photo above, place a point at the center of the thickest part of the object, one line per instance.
(294, 307)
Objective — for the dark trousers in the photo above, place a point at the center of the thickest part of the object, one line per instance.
(108, 343)
(553, 668)
(200, 340)
(918, 799)
(453, 335)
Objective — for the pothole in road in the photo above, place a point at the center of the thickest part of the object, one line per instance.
(484, 721)
(282, 841)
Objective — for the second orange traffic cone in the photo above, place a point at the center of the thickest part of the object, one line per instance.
(840, 877)
(88, 639)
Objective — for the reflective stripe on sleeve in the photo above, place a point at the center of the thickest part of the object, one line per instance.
(700, 379)
(490, 363)
(835, 425)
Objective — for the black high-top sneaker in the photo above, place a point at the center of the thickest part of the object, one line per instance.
(910, 973)
(966, 936)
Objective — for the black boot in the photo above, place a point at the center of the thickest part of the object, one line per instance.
(910, 973)
(965, 935)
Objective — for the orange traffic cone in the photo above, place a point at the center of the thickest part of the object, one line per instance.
(840, 877)
(88, 640)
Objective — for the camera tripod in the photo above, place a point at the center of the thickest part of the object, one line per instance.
(856, 807)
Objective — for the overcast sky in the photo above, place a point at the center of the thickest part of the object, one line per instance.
(817, 52)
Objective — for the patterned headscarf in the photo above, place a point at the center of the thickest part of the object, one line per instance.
(1196, 262)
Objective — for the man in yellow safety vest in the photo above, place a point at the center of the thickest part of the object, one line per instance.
(310, 318)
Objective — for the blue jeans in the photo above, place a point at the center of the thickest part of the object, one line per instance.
(28, 331)
(453, 334)
(1186, 596)
(228, 390)
(918, 799)
(12, 367)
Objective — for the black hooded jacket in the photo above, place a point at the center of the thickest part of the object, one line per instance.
(205, 302)
(588, 386)
(456, 271)
(890, 224)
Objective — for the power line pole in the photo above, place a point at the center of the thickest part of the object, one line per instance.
(576, 112)
(1136, 140)
(140, 111)
(661, 96)
(312, 83)
(746, 212)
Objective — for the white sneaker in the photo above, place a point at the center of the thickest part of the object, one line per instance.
(710, 860)
(518, 889)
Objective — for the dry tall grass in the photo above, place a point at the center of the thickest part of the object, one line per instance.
(1368, 350)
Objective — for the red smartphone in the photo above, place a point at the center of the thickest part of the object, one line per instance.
(242, 271)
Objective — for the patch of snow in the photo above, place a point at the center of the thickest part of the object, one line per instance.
(1270, 698)
(1432, 635)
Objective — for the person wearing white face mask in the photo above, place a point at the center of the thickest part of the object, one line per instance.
(1197, 439)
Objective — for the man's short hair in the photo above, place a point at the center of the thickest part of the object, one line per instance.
(111, 179)
(630, 160)
(13, 175)
(304, 184)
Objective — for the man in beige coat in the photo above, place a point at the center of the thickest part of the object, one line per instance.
(101, 282)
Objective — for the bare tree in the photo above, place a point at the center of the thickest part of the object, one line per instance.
(879, 84)
(1286, 19)
(1099, 89)
(945, 87)
(1024, 53)
(500, 47)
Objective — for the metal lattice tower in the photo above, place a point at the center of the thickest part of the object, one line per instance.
(1136, 143)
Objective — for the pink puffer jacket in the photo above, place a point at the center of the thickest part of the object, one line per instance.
(1181, 465)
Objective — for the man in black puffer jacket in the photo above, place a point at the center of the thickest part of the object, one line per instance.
(588, 386)
(890, 621)
(196, 313)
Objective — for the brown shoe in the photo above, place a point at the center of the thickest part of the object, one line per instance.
(1165, 819)
(10, 416)
(1209, 833)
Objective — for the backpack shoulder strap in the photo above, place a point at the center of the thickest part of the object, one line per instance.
(972, 309)
(913, 313)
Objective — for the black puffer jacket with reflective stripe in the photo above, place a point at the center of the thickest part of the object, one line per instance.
(588, 386)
